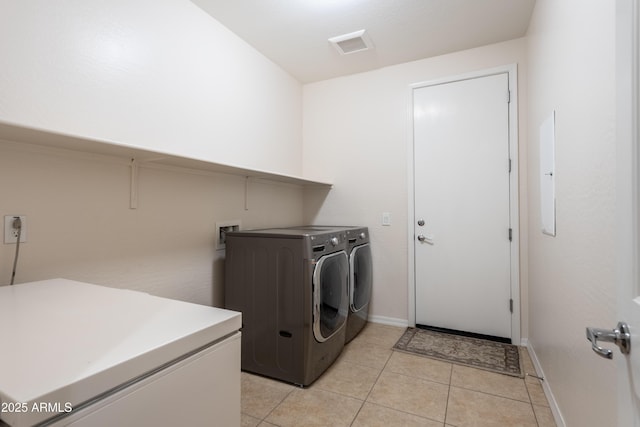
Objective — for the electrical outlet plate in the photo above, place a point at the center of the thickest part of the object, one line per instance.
(386, 218)
(10, 233)
(222, 228)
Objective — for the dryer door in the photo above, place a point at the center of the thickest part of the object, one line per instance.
(330, 297)
(361, 278)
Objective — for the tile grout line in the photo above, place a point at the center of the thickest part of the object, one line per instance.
(395, 409)
(495, 395)
(279, 403)
(421, 378)
(535, 417)
(444, 422)
(526, 386)
(446, 407)
(372, 387)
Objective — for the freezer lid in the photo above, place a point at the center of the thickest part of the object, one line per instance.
(64, 342)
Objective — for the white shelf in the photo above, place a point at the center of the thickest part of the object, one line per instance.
(20, 133)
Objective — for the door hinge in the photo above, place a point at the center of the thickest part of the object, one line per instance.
(509, 165)
(510, 234)
(511, 305)
(508, 97)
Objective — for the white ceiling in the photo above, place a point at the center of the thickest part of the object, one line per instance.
(294, 33)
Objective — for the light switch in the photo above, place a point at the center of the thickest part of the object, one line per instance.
(386, 218)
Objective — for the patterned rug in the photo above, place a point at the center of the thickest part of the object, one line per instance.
(477, 353)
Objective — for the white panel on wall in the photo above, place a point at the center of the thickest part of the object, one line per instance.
(547, 175)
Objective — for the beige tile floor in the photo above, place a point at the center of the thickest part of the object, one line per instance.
(371, 385)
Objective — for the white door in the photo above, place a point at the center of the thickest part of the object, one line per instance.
(461, 184)
(628, 209)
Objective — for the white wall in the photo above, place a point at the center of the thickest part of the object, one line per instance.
(155, 74)
(158, 75)
(80, 226)
(571, 277)
(357, 135)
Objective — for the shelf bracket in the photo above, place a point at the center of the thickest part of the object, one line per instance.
(133, 185)
(246, 193)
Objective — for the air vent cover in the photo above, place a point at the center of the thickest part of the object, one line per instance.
(352, 42)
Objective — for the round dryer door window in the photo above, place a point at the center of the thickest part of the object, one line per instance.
(330, 296)
(361, 277)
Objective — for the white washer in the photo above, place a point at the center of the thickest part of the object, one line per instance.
(79, 354)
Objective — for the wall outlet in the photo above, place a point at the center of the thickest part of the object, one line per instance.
(222, 228)
(11, 233)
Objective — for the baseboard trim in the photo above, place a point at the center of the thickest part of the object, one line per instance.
(391, 321)
(555, 410)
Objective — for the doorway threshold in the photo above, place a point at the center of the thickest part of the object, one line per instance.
(466, 334)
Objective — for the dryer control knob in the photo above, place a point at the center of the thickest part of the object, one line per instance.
(362, 235)
(334, 241)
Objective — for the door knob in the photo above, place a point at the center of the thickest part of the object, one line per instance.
(619, 336)
(425, 239)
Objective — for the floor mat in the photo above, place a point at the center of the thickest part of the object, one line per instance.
(477, 353)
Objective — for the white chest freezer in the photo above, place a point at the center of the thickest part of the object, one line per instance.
(73, 353)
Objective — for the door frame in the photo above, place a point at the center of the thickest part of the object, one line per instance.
(627, 188)
(512, 71)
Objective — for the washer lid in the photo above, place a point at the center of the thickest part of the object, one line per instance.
(66, 342)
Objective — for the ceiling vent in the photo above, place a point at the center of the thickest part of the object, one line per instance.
(357, 41)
